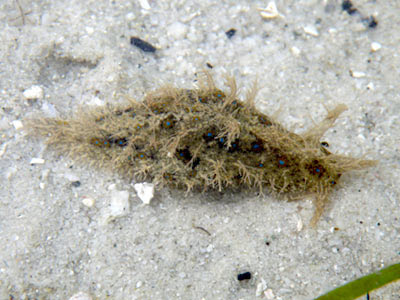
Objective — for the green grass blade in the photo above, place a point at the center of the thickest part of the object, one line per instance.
(363, 285)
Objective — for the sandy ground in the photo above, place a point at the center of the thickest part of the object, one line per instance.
(55, 241)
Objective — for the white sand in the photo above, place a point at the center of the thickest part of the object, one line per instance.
(55, 238)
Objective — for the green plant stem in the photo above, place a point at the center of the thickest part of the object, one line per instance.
(363, 285)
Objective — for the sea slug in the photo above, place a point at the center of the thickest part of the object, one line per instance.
(201, 139)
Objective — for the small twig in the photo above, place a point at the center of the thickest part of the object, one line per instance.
(21, 11)
(202, 229)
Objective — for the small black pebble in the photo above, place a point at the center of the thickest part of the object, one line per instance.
(209, 65)
(145, 46)
(244, 276)
(230, 33)
(348, 6)
(372, 22)
(76, 183)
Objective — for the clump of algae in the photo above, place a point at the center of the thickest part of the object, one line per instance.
(202, 139)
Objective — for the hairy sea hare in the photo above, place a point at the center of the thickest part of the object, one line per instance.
(202, 139)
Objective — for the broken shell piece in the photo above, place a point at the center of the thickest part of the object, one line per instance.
(269, 294)
(270, 12)
(357, 74)
(261, 287)
(375, 46)
(88, 202)
(3, 149)
(371, 86)
(299, 224)
(144, 4)
(311, 30)
(119, 204)
(81, 296)
(118, 207)
(17, 124)
(37, 161)
(296, 51)
(145, 191)
(34, 92)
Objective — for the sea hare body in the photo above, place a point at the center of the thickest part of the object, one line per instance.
(203, 139)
